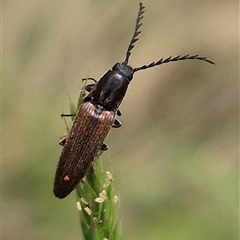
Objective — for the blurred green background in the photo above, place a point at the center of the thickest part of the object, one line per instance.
(175, 159)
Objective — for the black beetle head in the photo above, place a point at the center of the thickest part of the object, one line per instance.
(124, 69)
(127, 71)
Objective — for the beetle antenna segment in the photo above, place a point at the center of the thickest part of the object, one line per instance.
(173, 59)
(136, 32)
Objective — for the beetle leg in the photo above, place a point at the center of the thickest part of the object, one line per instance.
(89, 78)
(89, 87)
(119, 113)
(63, 139)
(68, 114)
(116, 124)
(104, 147)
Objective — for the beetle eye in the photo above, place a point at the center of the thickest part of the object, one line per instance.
(116, 67)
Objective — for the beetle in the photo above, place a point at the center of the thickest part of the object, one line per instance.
(97, 115)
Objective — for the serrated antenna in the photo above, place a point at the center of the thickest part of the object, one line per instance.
(136, 32)
(173, 59)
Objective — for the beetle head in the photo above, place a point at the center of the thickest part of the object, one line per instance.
(124, 69)
(128, 71)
